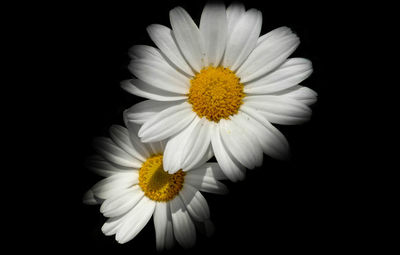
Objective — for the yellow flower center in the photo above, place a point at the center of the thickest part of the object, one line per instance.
(157, 184)
(216, 93)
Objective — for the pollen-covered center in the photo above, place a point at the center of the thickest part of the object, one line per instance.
(216, 93)
(158, 184)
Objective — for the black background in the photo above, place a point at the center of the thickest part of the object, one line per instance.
(305, 204)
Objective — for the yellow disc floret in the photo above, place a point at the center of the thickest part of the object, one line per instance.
(157, 184)
(216, 93)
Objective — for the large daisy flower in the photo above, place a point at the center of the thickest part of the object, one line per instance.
(137, 187)
(219, 87)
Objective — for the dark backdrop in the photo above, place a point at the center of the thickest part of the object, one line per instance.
(304, 204)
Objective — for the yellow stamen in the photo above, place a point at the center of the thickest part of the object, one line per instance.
(157, 184)
(216, 93)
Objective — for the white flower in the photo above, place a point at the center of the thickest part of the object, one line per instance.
(137, 187)
(219, 87)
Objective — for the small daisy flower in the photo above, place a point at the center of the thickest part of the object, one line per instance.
(137, 187)
(219, 87)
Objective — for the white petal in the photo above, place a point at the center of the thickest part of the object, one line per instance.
(120, 136)
(103, 167)
(187, 148)
(211, 169)
(213, 28)
(300, 93)
(288, 75)
(142, 151)
(135, 221)
(271, 140)
(156, 147)
(143, 111)
(145, 51)
(163, 37)
(195, 203)
(205, 183)
(111, 226)
(90, 199)
(268, 55)
(240, 142)
(243, 39)
(184, 230)
(229, 165)
(115, 184)
(110, 151)
(233, 14)
(167, 123)
(169, 235)
(279, 109)
(160, 74)
(121, 203)
(160, 218)
(142, 89)
(188, 37)
(280, 31)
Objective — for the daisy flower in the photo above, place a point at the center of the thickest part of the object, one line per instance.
(219, 87)
(137, 187)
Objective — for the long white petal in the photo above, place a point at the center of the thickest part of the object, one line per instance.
(279, 109)
(240, 142)
(213, 28)
(288, 75)
(136, 220)
(188, 37)
(121, 203)
(167, 123)
(111, 226)
(163, 37)
(145, 52)
(169, 235)
(271, 139)
(142, 89)
(268, 55)
(205, 183)
(103, 167)
(110, 151)
(160, 218)
(233, 14)
(120, 135)
(184, 230)
(143, 111)
(115, 184)
(195, 203)
(211, 169)
(300, 93)
(160, 74)
(243, 39)
(229, 165)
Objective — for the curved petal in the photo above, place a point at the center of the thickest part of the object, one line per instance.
(271, 140)
(142, 89)
(195, 203)
(211, 169)
(90, 199)
(111, 226)
(120, 136)
(160, 218)
(243, 39)
(229, 165)
(145, 51)
(300, 93)
(115, 184)
(145, 110)
(160, 74)
(110, 151)
(188, 148)
(103, 167)
(184, 230)
(188, 37)
(288, 75)
(167, 123)
(163, 37)
(121, 203)
(213, 29)
(135, 221)
(279, 109)
(240, 142)
(233, 14)
(205, 183)
(268, 55)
